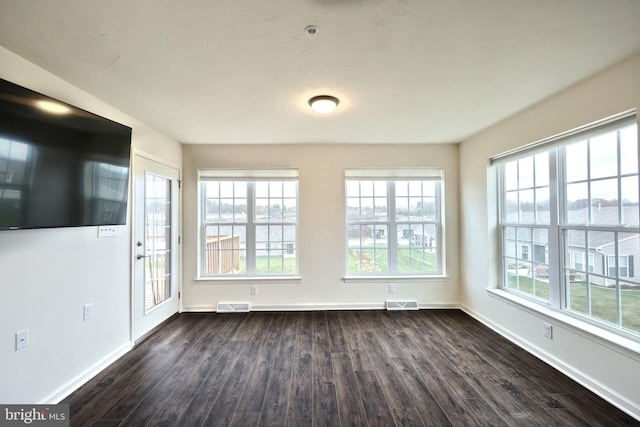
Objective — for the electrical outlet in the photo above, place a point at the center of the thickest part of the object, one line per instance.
(88, 312)
(392, 288)
(548, 330)
(254, 289)
(22, 339)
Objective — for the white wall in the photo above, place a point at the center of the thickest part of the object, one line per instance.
(322, 225)
(609, 370)
(46, 276)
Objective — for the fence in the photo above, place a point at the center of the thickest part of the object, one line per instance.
(223, 253)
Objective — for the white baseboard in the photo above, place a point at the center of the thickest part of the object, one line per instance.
(318, 307)
(71, 386)
(580, 377)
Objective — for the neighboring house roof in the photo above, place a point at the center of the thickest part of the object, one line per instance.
(601, 215)
(422, 230)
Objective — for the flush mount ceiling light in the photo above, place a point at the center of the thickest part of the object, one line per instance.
(324, 104)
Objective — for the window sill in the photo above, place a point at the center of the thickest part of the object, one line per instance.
(617, 342)
(245, 280)
(395, 279)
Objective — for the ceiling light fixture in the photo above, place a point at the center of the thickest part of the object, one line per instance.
(324, 104)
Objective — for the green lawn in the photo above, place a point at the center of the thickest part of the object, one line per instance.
(410, 260)
(275, 264)
(603, 300)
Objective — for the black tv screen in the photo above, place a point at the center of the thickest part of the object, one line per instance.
(60, 166)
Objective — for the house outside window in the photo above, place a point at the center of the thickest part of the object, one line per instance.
(579, 196)
(248, 222)
(578, 261)
(394, 222)
(623, 268)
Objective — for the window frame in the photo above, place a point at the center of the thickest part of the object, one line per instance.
(393, 225)
(562, 255)
(251, 178)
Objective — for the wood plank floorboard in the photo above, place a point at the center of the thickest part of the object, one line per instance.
(326, 368)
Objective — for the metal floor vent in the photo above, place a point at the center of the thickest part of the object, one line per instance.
(233, 307)
(402, 305)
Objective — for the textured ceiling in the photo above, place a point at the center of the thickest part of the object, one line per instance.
(241, 71)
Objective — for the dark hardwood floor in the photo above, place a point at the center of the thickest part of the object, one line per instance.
(334, 368)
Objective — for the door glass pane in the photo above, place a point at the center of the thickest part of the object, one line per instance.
(157, 272)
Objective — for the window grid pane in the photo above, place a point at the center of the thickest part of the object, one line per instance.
(250, 228)
(601, 203)
(404, 213)
(598, 202)
(367, 248)
(525, 215)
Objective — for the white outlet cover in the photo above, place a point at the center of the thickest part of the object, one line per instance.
(22, 339)
(88, 311)
(548, 330)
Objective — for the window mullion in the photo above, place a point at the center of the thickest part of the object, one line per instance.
(392, 233)
(556, 236)
(618, 275)
(250, 254)
(440, 224)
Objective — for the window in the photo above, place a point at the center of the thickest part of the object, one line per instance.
(578, 261)
(394, 222)
(579, 197)
(248, 222)
(105, 187)
(623, 268)
(16, 159)
(526, 219)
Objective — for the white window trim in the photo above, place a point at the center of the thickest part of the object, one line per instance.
(432, 279)
(624, 343)
(555, 308)
(251, 176)
(399, 174)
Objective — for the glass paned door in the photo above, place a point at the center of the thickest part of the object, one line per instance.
(157, 245)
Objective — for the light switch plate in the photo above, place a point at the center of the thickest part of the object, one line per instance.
(106, 231)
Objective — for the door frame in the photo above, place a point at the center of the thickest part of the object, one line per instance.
(177, 242)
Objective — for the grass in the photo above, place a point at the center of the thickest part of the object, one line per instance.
(604, 305)
(275, 264)
(270, 265)
(375, 260)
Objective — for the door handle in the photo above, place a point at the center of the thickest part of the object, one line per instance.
(139, 256)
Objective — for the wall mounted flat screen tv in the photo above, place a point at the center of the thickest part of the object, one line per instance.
(60, 166)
